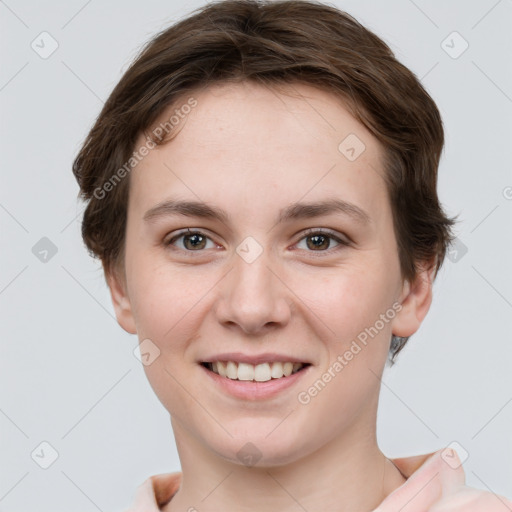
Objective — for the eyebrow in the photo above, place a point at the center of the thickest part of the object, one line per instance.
(294, 211)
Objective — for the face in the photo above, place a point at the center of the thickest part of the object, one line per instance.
(254, 236)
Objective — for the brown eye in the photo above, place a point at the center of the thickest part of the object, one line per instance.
(191, 241)
(194, 242)
(320, 241)
(317, 242)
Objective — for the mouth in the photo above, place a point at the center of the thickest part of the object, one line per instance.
(262, 372)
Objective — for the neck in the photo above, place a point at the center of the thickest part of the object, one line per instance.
(347, 474)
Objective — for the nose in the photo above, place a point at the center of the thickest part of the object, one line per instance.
(253, 297)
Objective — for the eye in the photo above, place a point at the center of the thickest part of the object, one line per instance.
(320, 241)
(191, 241)
(315, 240)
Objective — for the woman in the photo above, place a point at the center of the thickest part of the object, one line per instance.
(261, 190)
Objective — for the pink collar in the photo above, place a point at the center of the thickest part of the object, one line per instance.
(429, 477)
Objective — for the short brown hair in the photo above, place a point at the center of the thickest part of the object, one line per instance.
(273, 43)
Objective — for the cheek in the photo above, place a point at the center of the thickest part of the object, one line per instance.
(357, 306)
(345, 396)
(166, 301)
(351, 305)
(348, 300)
(168, 307)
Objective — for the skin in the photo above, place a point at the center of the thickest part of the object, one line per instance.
(253, 151)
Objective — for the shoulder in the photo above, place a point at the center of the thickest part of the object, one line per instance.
(155, 492)
(436, 481)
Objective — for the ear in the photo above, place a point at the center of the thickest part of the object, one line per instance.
(118, 292)
(416, 298)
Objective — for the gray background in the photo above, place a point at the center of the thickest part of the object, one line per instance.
(68, 373)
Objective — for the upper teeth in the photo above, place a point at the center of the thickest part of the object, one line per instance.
(260, 372)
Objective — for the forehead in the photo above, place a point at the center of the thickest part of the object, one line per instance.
(292, 111)
(261, 143)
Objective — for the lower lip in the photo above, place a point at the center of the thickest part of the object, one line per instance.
(252, 390)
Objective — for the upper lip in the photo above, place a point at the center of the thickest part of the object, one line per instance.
(267, 357)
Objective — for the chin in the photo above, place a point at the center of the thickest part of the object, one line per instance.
(260, 451)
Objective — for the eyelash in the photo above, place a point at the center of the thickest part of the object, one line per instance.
(308, 233)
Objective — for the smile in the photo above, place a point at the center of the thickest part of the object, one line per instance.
(262, 372)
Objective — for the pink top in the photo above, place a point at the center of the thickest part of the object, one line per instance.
(431, 478)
